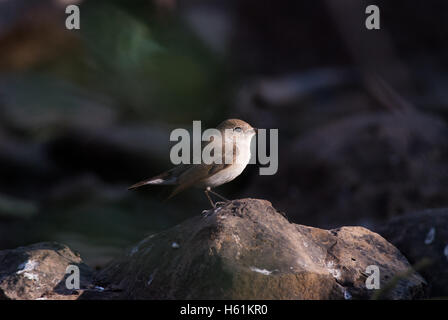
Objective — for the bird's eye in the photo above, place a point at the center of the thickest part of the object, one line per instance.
(238, 129)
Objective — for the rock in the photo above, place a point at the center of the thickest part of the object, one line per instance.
(248, 250)
(423, 238)
(39, 272)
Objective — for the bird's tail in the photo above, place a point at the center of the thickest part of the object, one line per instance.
(158, 180)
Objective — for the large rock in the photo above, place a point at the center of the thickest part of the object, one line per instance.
(423, 238)
(39, 272)
(248, 250)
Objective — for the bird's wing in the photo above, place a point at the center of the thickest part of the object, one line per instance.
(198, 172)
(187, 175)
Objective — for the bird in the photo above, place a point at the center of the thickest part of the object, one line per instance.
(237, 136)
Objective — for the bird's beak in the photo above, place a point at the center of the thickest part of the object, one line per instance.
(256, 130)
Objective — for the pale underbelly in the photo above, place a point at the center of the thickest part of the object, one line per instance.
(223, 176)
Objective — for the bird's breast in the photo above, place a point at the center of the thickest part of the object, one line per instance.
(229, 173)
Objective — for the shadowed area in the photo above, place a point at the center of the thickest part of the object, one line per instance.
(84, 114)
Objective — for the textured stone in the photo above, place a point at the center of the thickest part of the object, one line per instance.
(248, 250)
(423, 238)
(38, 271)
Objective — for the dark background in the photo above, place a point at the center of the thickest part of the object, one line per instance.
(86, 113)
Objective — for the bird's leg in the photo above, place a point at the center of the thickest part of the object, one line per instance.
(209, 190)
(208, 196)
(219, 196)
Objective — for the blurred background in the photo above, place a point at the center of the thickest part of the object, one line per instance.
(86, 113)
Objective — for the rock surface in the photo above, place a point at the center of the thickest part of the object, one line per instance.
(248, 250)
(242, 250)
(423, 238)
(39, 272)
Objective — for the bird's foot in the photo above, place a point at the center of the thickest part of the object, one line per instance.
(208, 213)
(221, 203)
(216, 207)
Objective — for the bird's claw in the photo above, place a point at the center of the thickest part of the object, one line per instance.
(207, 213)
(220, 203)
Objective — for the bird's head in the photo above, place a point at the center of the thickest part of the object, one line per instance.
(237, 128)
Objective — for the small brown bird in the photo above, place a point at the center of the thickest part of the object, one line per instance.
(237, 135)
